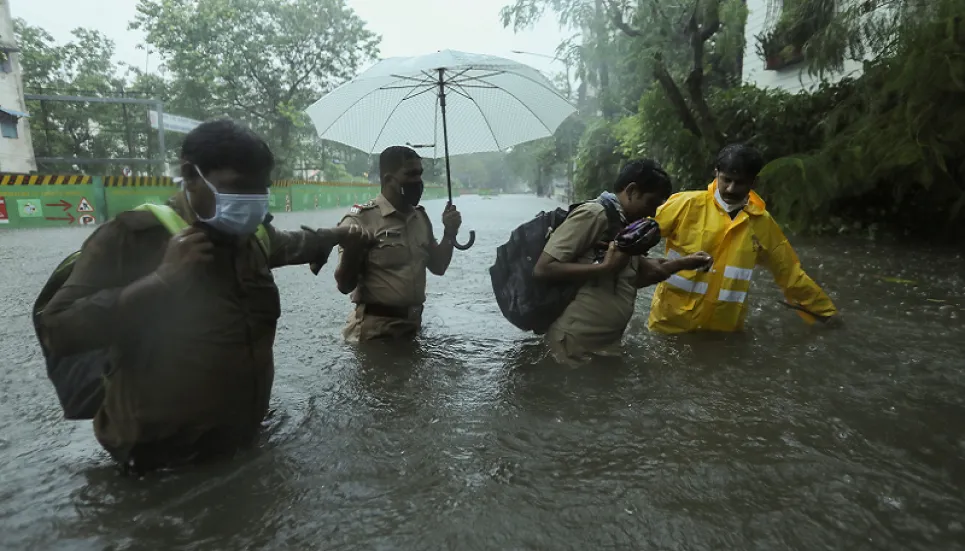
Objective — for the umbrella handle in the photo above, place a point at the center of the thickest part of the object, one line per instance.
(468, 244)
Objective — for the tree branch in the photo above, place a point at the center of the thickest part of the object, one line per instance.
(250, 66)
(298, 82)
(676, 98)
(616, 17)
(699, 34)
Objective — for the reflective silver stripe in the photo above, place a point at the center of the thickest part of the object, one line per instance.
(734, 272)
(687, 285)
(731, 296)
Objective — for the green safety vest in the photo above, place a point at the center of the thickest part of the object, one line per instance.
(174, 223)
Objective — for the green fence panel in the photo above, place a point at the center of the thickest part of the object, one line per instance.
(279, 199)
(125, 193)
(46, 201)
(38, 201)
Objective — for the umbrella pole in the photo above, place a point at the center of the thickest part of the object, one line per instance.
(445, 130)
(445, 144)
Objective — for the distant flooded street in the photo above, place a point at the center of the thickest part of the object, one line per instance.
(783, 437)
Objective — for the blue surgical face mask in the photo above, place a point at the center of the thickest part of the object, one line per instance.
(236, 213)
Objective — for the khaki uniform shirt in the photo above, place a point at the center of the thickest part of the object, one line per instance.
(191, 368)
(596, 319)
(393, 275)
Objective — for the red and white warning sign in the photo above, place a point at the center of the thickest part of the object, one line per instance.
(3, 211)
(84, 205)
(87, 220)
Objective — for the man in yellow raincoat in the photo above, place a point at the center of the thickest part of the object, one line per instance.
(729, 221)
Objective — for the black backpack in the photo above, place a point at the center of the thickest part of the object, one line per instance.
(529, 304)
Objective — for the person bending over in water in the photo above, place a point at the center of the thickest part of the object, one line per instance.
(594, 322)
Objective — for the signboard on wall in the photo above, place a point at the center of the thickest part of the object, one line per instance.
(173, 123)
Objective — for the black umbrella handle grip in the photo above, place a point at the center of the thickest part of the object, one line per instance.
(468, 244)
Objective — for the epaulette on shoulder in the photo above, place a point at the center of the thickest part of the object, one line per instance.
(363, 207)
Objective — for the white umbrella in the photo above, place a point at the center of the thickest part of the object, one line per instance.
(486, 103)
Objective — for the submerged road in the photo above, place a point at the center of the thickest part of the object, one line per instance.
(783, 437)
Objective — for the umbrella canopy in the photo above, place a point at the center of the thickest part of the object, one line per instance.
(491, 103)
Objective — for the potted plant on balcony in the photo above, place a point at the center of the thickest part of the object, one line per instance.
(778, 49)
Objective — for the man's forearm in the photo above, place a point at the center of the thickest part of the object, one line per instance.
(573, 272)
(674, 266)
(348, 271)
(134, 294)
(442, 255)
(652, 271)
(75, 322)
(304, 246)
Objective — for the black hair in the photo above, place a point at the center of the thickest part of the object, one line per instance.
(647, 174)
(393, 157)
(224, 143)
(740, 160)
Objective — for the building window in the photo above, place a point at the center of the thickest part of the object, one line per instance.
(8, 126)
(6, 64)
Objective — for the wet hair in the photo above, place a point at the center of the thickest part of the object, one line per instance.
(393, 157)
(739, 160)
(224, 143)
(647, 174)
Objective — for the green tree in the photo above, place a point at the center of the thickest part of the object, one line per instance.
(259, 61)
(714, 32)
(588, 50)
(82, 66)
(890, 154)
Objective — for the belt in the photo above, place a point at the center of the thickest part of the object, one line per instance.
(384, 311)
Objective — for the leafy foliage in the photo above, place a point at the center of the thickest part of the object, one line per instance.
(259, 61)
(83, 66)
(863, 154)
(891, 151)
(598, 161)
(776, 122)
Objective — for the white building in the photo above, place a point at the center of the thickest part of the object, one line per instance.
(16, 147)
(792, 77)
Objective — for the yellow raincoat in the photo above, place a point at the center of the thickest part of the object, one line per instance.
(690, 300)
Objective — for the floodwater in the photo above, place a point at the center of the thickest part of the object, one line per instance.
(783, 437)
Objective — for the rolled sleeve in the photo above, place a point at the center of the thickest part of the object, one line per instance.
(578, 233)
(304, 246)
(350, 219)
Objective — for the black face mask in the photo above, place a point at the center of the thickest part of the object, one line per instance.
(412, 192)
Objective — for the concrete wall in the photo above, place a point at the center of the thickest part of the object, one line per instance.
(16, 154)
(793, 78)
(38, 201)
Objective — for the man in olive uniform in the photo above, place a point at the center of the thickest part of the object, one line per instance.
(594, 323)
(388, 280)
(189, 319)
